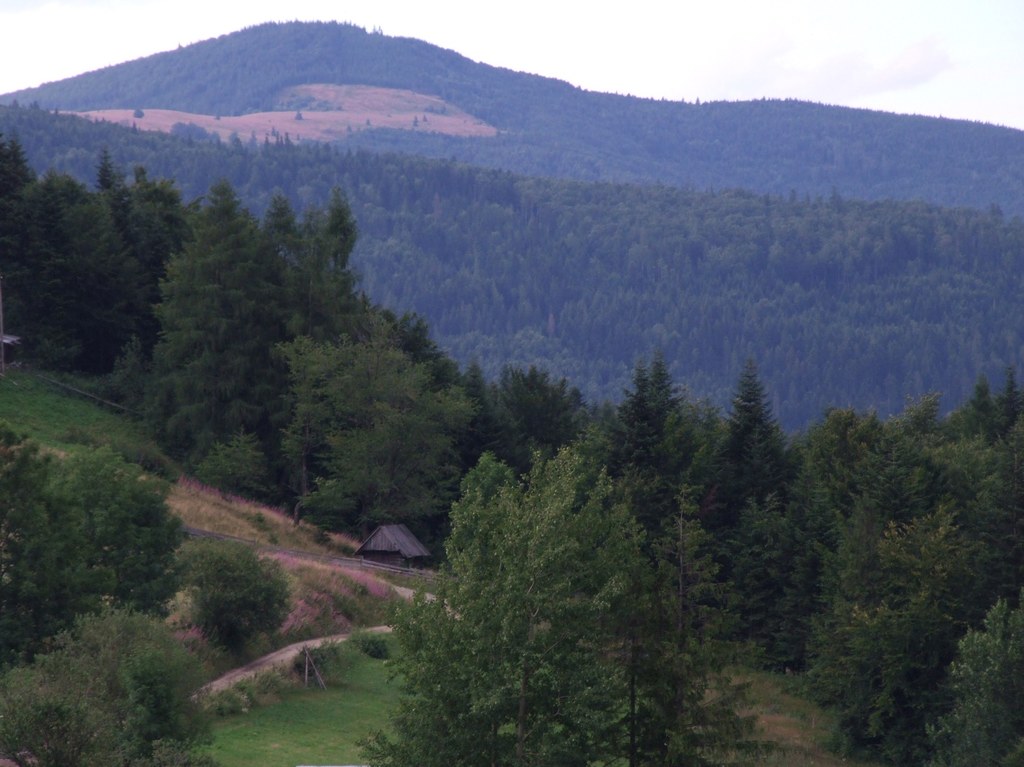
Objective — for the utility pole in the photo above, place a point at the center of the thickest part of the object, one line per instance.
(3, 341)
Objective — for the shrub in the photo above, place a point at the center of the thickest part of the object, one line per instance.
(235, 595)
(371, 645)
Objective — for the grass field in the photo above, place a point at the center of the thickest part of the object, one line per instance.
(309, 726)
(325, 727)
(59, 420)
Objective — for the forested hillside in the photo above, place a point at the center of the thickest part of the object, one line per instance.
(547, 127)
(880, 558)
(840, 302)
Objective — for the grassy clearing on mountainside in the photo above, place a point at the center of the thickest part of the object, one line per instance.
(316, 112)
(280, 723)
(799, 729)
(64, 422)
(287, 724)
(207, 508)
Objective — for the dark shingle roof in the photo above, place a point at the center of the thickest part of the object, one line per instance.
(394, 538)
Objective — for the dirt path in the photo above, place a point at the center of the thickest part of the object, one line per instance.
(286, 655)
(276, 659)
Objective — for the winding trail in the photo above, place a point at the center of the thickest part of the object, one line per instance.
(286, 655)
(276, 659)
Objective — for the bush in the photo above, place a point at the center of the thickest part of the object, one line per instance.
(235, 595)
(371, 645)
(118, 690)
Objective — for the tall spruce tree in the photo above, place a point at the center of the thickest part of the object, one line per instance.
(681, 706)
(1009, 403)
(15, 176)
(641, 447)
(315, 252)
(223, 311)
(753, 463)
(542, 414)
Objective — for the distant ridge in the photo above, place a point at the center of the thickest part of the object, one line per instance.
(859, 257)
(550, 128)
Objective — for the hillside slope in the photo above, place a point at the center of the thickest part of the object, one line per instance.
(548, 127)
(841, 302)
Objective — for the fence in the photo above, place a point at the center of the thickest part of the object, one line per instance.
(350, 562)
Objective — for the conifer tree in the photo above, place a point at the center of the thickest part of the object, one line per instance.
(315, 252)
(654, 441)
(681, 706)
(753, 463)
(221, 315)
(1009, 403)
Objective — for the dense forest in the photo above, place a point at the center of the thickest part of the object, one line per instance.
(549, 128)
(846, 302)
(778, 428)
(878, 558)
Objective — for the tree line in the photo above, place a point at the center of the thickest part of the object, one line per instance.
(590, 607)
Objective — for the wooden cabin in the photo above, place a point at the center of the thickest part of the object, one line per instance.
(393, 545)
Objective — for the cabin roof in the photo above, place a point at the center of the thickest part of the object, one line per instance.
(394, 538)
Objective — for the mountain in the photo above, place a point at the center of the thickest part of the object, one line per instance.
(541, 126)
(841, 301)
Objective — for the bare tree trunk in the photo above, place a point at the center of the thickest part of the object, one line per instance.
(524, 683)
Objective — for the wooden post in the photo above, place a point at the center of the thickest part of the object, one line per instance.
(310, 663)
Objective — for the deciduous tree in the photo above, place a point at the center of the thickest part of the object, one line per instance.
(236, 595)
(374, 431)
(986, 723)
(510, 665)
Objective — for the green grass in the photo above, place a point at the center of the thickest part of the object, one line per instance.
(63, 421)
(310, 726)
(799, 730)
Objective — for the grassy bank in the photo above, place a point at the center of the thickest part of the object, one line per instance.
(309, 726)
(63, 421)
(799, 730)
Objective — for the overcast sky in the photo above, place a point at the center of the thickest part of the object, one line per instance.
(950, 58)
